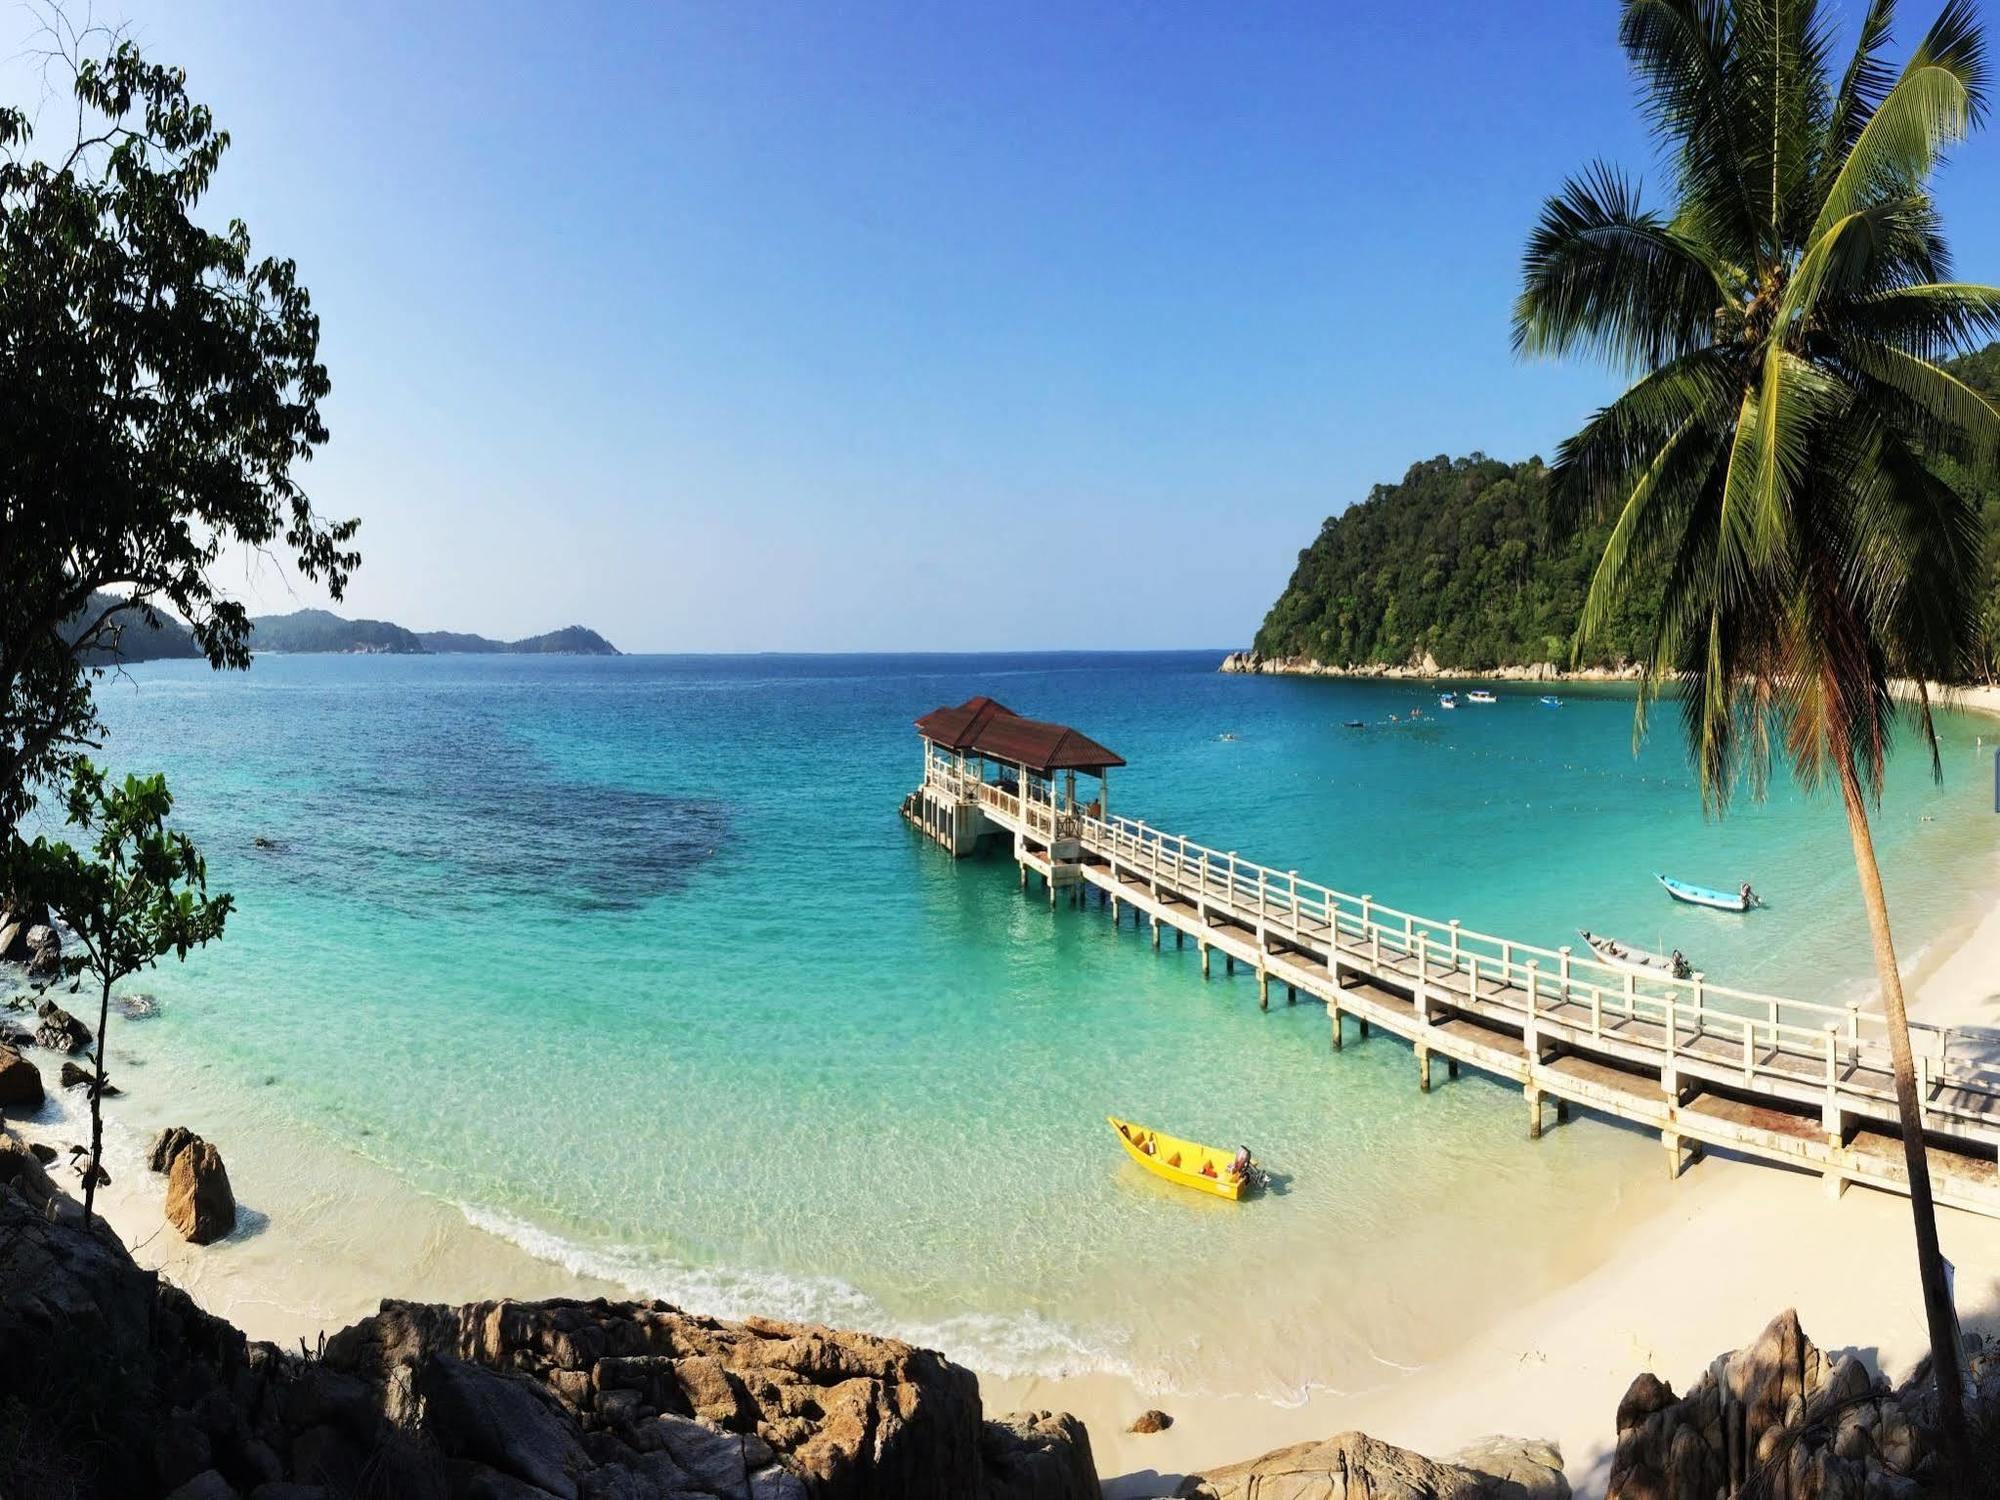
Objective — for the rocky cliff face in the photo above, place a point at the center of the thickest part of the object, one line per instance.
(112, 1384)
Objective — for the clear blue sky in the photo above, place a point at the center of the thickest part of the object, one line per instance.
(882, 326)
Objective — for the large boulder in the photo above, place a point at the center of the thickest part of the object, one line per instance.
(130, 1390)
(200, 1204)
(1801, 1425)
(44, 952)
(1354, 1466)
(168, 1144)
(20, 1081)
(58, 1030)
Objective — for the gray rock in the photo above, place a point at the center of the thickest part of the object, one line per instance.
(207, 1485)
(167, 1145)
(505, 1422)
(1521, 1468)
(44, 952)
(58, 1030)
(1037, 1455)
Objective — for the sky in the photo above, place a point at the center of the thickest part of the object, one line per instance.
(854, 326)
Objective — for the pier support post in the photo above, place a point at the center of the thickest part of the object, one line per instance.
(1024, 876)
(1423, 1068)
(1364, 1027)
(1562, 1111)
(1156, 932)
(1451, 1067)
(1673, 1144)
(1291, 994)
(1229, 964)
(1534, 1112)
(1204, 960)
(1263, 988)
(1115, 912)
(1333, 1013)
(1180, 937)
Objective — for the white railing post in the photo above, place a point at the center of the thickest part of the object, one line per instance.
(1231, 892)
(1260, 895)
(1534, 987)
(1749, 1049)
(1423, 966)
(1563, 953)
(1472, 980)
(1292, 876)
(1454, 942)
(1700, 1018)
(1596, 1002)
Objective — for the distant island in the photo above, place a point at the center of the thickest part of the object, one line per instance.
(1453, 569)
(321, 632)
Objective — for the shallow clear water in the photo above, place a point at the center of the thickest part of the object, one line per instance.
(634, 959)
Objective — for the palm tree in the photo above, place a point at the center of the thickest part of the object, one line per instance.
(1783, 326)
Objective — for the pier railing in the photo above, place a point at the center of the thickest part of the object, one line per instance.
(1802, 1047)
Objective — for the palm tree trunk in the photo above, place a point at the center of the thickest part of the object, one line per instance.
(1930, 1259)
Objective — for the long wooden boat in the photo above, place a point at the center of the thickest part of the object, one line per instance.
(1617, 955)
(1702, 895)
(1187, 1163)
(1480, 695)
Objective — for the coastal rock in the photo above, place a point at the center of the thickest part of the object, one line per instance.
(1780, 1412)
(168, 1144)
(140, 1007)
(134, 1391)
(58, 1030)
(20, 1081)
(1354, 1466)
(200, 1205)
(23, 1170)
(1039, 1455)
(44, 952)
(1523, 1468)
(74, 1077)
(1151, 1420)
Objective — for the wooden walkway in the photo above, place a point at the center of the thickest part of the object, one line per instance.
(1792, 1082)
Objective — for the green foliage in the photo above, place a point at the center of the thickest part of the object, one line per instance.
(1454, 561)
(319, 630)
(131, 891)
(158, 384)
(1782, 466)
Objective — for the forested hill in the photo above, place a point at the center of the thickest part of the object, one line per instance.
(322, 631)
(1454, 562)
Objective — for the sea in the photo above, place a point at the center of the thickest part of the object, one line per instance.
(632, 961)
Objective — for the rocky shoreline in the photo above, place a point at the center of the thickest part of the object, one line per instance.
(114, 1383)
(1423, 669)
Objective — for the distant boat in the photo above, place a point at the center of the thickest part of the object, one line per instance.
(1702, 895)
(1634, 960)
(1447, 700)
(1480, 695)
(1207, 1169)
(1356, 724)
(1550, 700)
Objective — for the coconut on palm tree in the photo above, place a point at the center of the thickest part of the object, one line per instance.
(1783, 320)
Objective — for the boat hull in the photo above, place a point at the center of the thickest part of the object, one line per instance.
(1701, 895)
(1626, 958)
(1179, 1162)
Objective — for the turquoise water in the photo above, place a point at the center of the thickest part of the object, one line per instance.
(634, 960)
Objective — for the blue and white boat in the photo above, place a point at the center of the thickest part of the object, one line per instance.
(1701, 895)
(1447, 700)
(1480, 695)
(1550, 700)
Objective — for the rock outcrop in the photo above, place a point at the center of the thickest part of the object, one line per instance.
(44, 952)
(20, 1081)
(490, 1401)
(200, 1204)
(1354, 1466)
(58, 1030)
(1779, 1419)
(17, 919)
(1422, 667)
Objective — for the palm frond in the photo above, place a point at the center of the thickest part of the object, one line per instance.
(1682, 52)
(1938, 98)
(1863, 87)
(1602, 274)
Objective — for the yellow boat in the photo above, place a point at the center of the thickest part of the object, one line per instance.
(1185, 1162)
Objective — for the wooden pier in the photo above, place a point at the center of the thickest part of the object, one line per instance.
(1791, 1082)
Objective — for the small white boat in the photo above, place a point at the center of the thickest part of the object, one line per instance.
(1447, 700)
(1480, 695)
(1550, 700)
(1635, 960)
(1741, 899)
